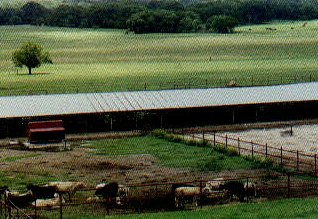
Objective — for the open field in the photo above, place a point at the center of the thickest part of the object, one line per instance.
(89, 60)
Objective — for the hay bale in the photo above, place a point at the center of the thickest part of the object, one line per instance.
(232, 83)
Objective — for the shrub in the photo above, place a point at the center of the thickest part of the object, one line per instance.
(221, 24)
(212, 164)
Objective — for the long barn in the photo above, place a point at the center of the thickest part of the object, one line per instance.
(91, 112)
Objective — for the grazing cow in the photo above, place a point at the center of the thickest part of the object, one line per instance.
(250, 189)
(68, 188)
(112, 191)
(48, 203)
(213, 185)
(19, 200)
(234, 189)
(42, 192)
(3, 189)
(187, 194)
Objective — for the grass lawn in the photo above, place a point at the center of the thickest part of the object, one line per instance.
(288, 208)
(89, 60)
(171, 154)
(292, 208)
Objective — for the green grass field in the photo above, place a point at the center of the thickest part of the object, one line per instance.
(288, 208)
(292, 208)
(193, 157)
(89, 60)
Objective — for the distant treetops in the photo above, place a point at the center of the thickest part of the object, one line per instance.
(30, 55)
(169, 16)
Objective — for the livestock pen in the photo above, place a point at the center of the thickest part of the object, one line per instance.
(295, 160)
(159, 196)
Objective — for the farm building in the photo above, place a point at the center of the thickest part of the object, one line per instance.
(95, 112)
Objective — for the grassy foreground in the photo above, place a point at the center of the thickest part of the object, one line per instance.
(288, 208)
(292, 208)
(89, 60)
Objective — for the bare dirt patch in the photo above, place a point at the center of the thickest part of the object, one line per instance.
(80, 164)
(303, 138)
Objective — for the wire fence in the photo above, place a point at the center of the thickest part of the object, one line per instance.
(289, 159)
(155, 197)
(190, 83)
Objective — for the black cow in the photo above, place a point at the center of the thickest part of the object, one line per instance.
(19, 200)
(42, 192)
(109, 190)
(234, 188)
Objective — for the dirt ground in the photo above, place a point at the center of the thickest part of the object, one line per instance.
(80, 164)
(303, 138)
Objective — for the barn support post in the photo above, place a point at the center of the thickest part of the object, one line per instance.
(281, 157)
(161, 121)
(111, 124)
(203, 136)
(297, 158)
(238, 146)
(233, 116)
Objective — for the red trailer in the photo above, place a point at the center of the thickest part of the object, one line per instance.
(46, 131)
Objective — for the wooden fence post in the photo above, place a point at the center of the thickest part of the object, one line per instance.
(238, 146)
(247, 188)
(297, 154)
(266, 150)
(61, 208)
(214, 138)
(225, 141)
(252, 148)
(288, 185)
(315, 164)
(201, 195)
(281, 157)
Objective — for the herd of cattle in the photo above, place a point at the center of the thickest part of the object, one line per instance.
(55, 193)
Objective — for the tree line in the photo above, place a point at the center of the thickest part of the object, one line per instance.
(170, 16)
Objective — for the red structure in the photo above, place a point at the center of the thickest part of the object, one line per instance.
(46, 131)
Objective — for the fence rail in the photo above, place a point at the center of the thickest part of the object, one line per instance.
(291, 159)
(167, 85)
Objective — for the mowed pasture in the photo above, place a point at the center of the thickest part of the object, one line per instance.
(90, 60)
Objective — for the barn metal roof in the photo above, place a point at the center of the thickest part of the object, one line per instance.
(67, 104)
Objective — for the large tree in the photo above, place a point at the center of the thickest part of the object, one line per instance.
(221, 24)
(30, 55)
